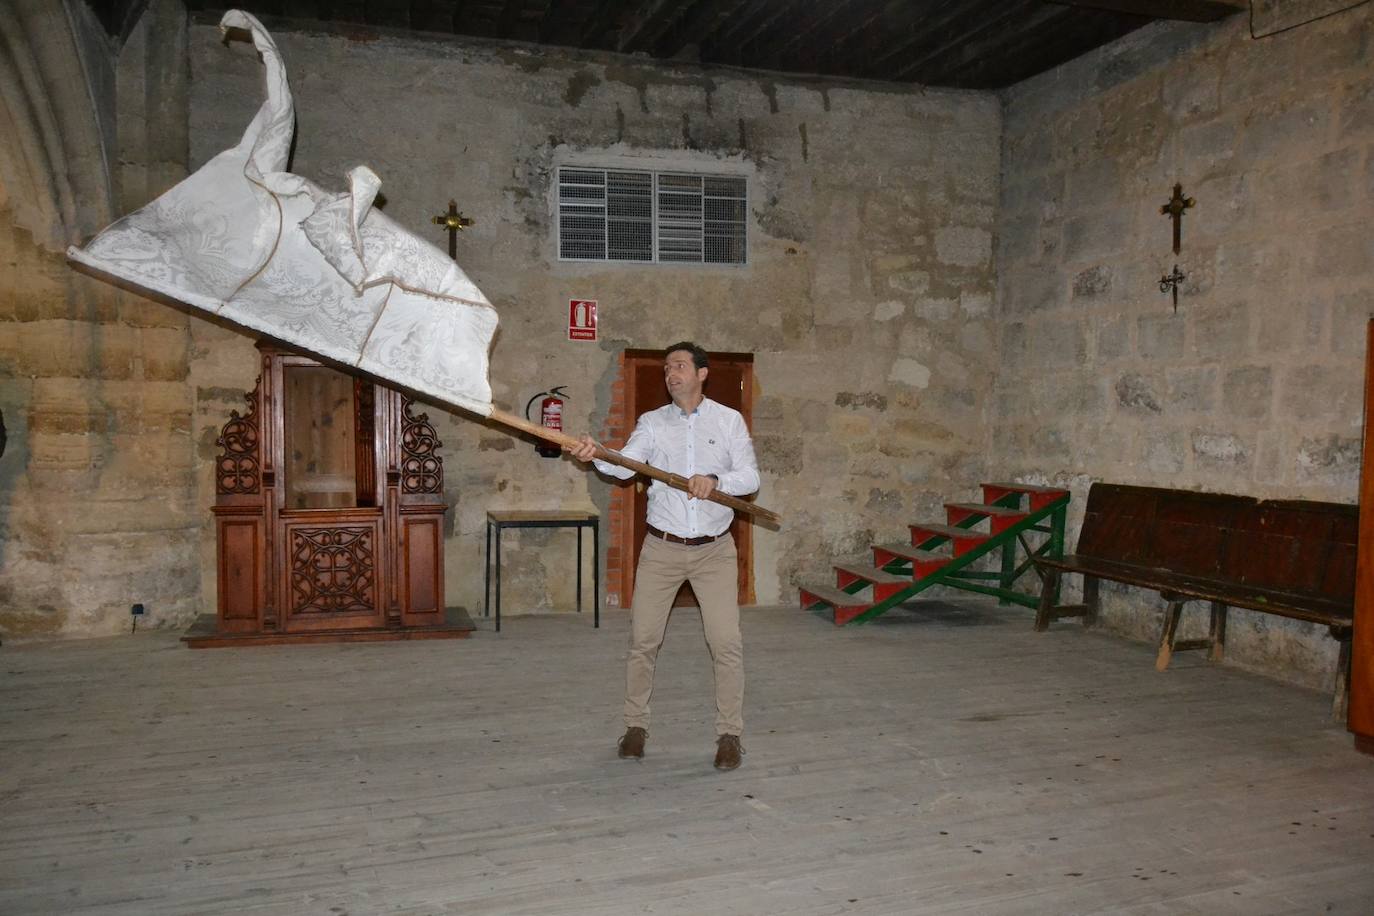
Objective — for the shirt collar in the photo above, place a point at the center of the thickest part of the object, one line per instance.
(678, 411)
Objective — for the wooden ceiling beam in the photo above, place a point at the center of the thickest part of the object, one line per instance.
(563, 23)
(479, 17)
(944, 24)
(354, 11)
(520, 19)
(1015, 21)
(955, 30)
(391, 13)
(1183, 10)
(752, 19)
(755, 47)
(875, 34)
(821, 14)
(644, 26)
(936, 42)
(701, 21)
(433, 15)
(603, 21)
(1039, 47)
(877, 15)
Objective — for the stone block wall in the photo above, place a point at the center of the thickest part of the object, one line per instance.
(867, 301)
(98, 501)
(942, 286)
(1254, 385)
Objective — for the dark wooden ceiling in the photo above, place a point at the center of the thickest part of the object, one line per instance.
(973, 44)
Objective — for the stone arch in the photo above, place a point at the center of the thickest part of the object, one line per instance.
(56, 96)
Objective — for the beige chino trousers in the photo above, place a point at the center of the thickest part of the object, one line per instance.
(711, 568)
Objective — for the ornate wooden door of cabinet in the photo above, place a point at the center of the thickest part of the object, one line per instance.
(332, 576)
(329, 508)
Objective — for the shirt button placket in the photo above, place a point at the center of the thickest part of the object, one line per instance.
(692, 468)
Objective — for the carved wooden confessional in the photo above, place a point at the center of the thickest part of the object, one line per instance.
(329, 511)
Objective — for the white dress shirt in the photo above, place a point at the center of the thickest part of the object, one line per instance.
(710, 440)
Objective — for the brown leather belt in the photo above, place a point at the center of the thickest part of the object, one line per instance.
(690, 542)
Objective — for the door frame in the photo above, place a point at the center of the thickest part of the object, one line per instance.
(1360, 711)
(627, 521)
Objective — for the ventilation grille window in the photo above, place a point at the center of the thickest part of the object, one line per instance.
(665, 217)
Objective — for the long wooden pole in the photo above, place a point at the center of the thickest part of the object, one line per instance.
(648, 470)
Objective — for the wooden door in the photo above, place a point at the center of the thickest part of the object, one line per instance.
(1361, 711)
(729, 382)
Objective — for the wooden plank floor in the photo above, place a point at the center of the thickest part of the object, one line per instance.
(944, 759)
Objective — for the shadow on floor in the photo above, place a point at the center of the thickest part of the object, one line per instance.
(957, 613)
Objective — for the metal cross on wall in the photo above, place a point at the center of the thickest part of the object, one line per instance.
(1174, 209)
(454, 222)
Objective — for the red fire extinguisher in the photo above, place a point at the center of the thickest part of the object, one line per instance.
(550, 416)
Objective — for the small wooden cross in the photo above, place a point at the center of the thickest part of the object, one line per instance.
(1174, 210)
(454, 222)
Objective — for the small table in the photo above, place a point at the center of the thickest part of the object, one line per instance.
(579, 519)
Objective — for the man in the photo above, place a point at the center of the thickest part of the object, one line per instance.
(688, 541)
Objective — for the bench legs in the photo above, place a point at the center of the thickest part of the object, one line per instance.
(1217, 632)
(1215, 642)
(1166, 634)
(1049, 594)
(1340, 697)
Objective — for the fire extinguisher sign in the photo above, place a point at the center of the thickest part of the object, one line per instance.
(581, 319)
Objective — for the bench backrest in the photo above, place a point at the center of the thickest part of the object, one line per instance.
(1297, 546)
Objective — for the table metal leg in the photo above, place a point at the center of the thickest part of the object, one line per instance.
(596, 572)
(579, 569)
(486, 575)
(498, 577)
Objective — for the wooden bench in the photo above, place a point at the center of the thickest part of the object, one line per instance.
(1291, 558)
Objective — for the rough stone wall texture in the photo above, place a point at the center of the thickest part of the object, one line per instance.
(98, 508)
(1254, 385)
(867, 301)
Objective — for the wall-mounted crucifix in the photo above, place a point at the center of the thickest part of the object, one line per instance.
(454, 222)
(1174, 209)
(1170, 282)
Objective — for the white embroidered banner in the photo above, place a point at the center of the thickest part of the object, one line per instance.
(248, 241)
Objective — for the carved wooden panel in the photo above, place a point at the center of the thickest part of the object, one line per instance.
(422, 470)
(238, 468)
(333, 569)
(365, 422)
(241, 573)
(422, 574)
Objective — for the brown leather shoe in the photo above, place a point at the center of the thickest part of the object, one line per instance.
(632, 743)
(728, 752)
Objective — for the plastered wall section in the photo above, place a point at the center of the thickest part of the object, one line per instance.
(1253, 385)
(867, 300)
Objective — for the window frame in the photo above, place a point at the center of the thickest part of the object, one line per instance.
(655, 173)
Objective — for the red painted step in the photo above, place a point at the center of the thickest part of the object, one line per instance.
(923, 562)
(964, 540)
(844, 605)
(885, 584)
(1040, 497)
(999, 519)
